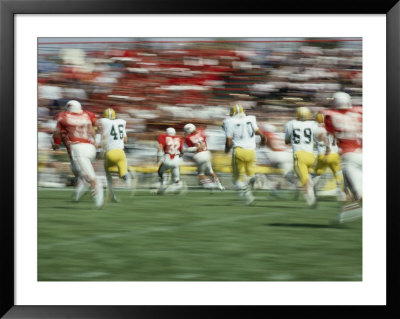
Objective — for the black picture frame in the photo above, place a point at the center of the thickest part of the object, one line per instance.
(8, 8)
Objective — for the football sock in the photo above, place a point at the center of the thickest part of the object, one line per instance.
(99, 195)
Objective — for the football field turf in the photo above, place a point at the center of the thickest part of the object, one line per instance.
(197, 236)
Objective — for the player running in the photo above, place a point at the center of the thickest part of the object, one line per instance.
(81, 185)
(328, 156)
(345, 123)
(196, 141)
(76, 128)
(301, 134)
(240, 131)
(279, 155)
(170, 150)
(113, 138)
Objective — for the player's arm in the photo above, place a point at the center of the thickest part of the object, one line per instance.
(56, 138)
(287, 134)
(321, 135)
(103, 136)
(191, 148)
(160, 152)
(228, 144)
(229, 134)
(181, 151)
(263, 137)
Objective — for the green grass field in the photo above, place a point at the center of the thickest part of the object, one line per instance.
(194, 237)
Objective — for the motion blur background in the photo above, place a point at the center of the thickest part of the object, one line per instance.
(154, 83)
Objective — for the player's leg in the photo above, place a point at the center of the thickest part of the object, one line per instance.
(238, 169)
(204, 181)
(334, 163)
(81, 184)
(83, 155)
(201, 163)
(161, 170)
(209, 171)
(175, 174)
(110, 161)
(248, 158)
(352, 171)
(286, 165)
(302, 162)
(123, 168)
(119, 158)
(320, 168)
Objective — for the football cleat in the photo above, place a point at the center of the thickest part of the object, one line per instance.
(249, 198)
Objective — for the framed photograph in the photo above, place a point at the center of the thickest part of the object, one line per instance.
(170, 160)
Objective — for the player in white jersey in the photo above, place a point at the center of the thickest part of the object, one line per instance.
(301, 134)
(113, 137)
(328, 156)
(241, 130)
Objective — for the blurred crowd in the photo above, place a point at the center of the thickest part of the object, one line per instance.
(154, 85)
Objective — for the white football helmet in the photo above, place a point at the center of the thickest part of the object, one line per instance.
(189, 128)
(74, 106)
(341, 100)
(170, 131)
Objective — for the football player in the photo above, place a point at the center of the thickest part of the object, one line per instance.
(328, 156)
(345, 123)
(240, 131)
(279, 154)
(301, 133)
(77, 127)
(196, 141)
(170, 150)
(81, 184)
(113, 138)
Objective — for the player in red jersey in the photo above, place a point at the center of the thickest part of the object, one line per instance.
(344, 122)
(81, 185)
(196, 141)
(170, 150)
(75, 128)
(280, 155)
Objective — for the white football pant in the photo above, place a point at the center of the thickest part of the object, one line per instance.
(352, 172)
(203, 163)
(172, 164)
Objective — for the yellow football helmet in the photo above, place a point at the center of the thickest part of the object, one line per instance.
(236, 109)
(303, 113)
(320, 118)
(109, 114)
